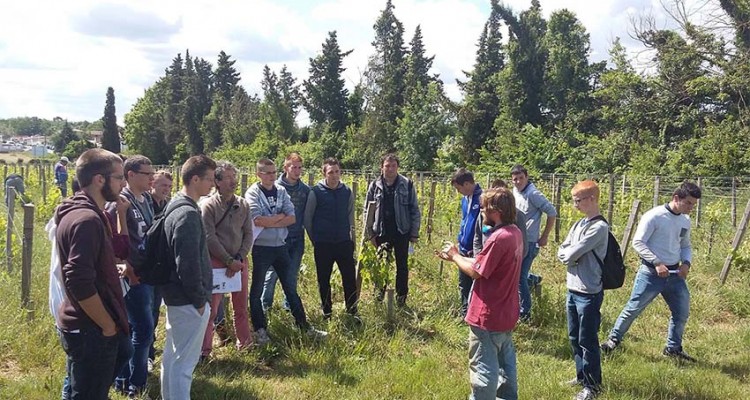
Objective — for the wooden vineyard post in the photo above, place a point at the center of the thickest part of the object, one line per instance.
(699, 206)
(738, 235)
(28, 241)
(734, 202)
(431, 211)
(310, 178)
(629, 227)
(243, 184)
(10, 194)
(656, 190)
(558, 191)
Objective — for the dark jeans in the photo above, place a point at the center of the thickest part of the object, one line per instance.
(584, 318)
(92, 362)
(296, 248)
(400, 245)
(265, 257)
(464, 287)
(139, 302)
(342, 254)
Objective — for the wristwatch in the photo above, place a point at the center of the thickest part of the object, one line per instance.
(228, 261)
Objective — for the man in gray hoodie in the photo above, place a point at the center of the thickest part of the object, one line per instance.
(295, 239)
(188, 292)
(586, 241)
(272, 209)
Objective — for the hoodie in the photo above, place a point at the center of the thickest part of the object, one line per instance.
(84, 243)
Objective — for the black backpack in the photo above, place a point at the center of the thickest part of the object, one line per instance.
(613, 266)
(159, 262)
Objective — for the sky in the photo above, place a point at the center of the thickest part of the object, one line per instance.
(57, 58)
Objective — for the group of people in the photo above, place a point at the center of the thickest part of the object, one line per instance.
(106, 316)
(499, 238)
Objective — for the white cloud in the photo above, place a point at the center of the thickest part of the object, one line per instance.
(56, 61)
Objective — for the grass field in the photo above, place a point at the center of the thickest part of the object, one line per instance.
(422, 354)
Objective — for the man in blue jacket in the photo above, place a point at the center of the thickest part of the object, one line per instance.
(463, 182)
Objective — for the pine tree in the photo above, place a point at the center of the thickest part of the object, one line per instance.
(481, 102)
(173, 129)
(522, 83)
(111, 134)
(567, 71)
(326, 98)
(226, 76)
(192, 117)
(417, 65)
(385, 87)
(278, 118)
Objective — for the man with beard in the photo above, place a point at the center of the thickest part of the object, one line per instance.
(93, 322)
(493, 304)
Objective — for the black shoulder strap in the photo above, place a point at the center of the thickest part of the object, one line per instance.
(177, 204)
(224, 216)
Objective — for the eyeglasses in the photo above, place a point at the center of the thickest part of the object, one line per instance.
(118, 177)
(145, 173)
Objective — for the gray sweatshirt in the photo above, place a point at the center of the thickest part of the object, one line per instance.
(259, 207)
(532, 203)
(584, 272)
(663, 237)
(193, 281)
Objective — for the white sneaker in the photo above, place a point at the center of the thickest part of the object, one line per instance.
(316, 333)
(150, 365)
(261, 337)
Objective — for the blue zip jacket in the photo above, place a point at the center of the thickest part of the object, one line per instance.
(469, 215)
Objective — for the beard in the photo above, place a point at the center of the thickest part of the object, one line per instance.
(107, 191)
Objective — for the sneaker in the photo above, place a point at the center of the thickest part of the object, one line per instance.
(261, 337)
(608, 346)
(586, 394)
(316, 333)
(150, 365)
(678, 354)
(401, 300)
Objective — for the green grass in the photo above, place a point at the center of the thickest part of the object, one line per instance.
(422, 354)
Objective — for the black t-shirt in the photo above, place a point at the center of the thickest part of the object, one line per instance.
(389, 209)
(271, 195)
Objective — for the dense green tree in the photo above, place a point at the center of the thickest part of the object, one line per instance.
(522, 81)
(76, 147)
(111, 133)
(417, 65)
(423, 127)
(567, 71)
(242, 120)
(481, 104)
(276, 114)
(384, 92)
(62, 138)
(144, 125)
(226, 76)
(326, 99)
(192, 117)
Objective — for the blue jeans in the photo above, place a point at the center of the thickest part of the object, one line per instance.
(492, 365)
(647, 286)
(139, 302)
(296, 246)
(523, 283)
(264, 258)
(584, 319)
(92, 362)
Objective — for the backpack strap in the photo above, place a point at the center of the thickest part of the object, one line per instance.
(174, 205)
(226, 213)
(599, 218)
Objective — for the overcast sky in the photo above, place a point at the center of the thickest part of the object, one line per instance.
(57, 58)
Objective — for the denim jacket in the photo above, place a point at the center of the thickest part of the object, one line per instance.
(408, 217)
